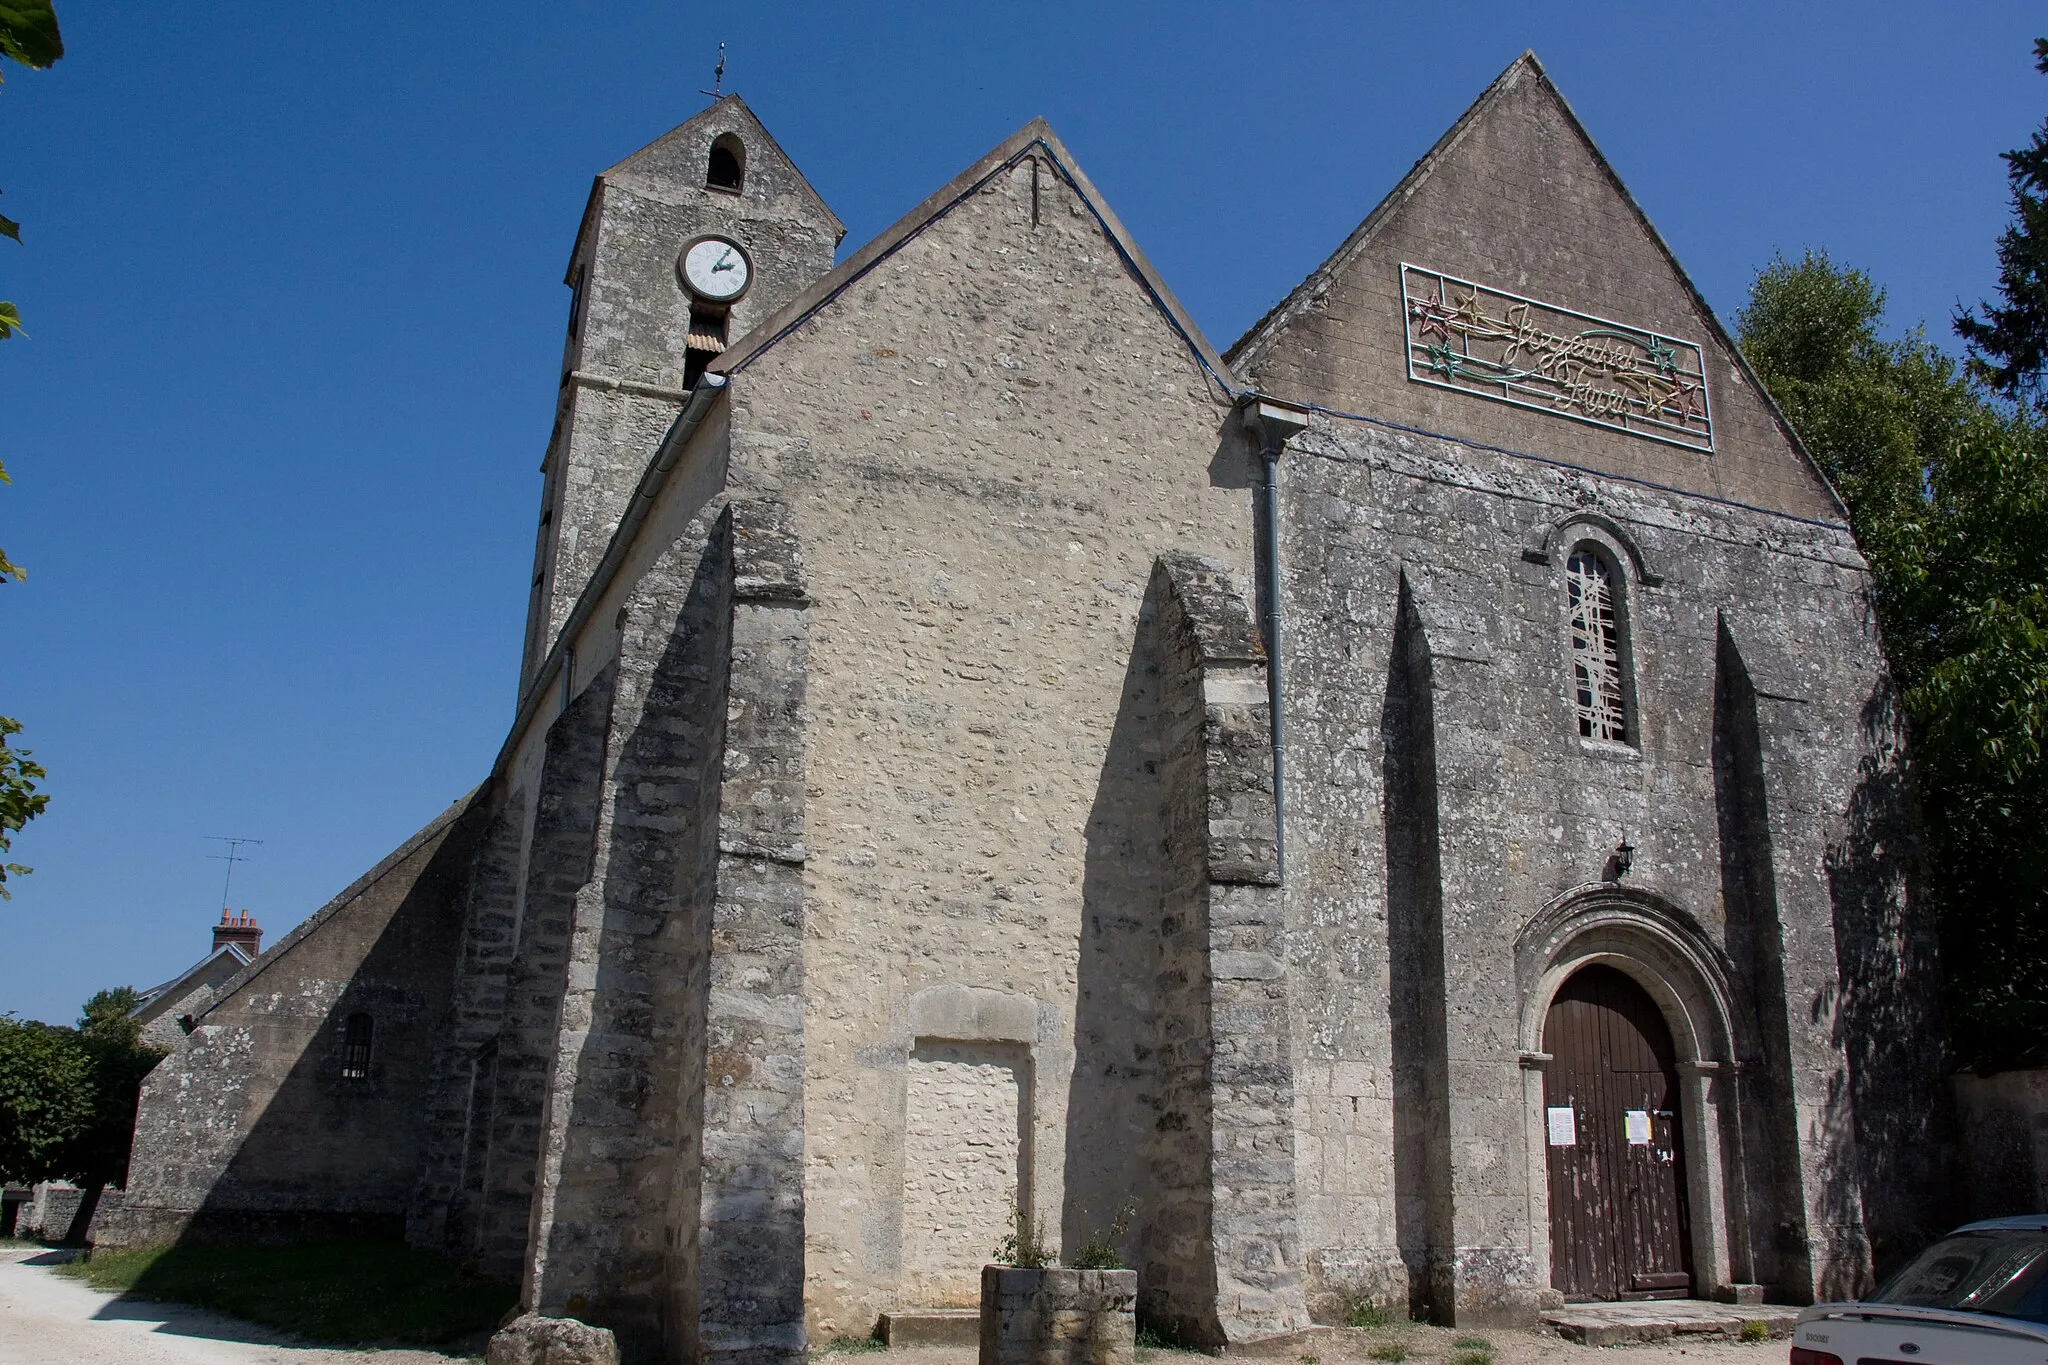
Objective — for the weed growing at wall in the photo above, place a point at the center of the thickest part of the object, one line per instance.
(1024, 1246)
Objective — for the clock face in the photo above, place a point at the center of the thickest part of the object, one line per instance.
(716, 269)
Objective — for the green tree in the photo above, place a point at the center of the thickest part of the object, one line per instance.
(97, 1155)
(2008, 340)
(68, 1098)
(1947, 491)
(20, 802)
(45, 1097)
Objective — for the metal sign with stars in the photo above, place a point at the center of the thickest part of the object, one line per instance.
(1485, 341)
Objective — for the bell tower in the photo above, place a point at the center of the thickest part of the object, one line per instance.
(684, 246)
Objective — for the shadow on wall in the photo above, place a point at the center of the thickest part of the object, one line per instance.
(333, 1149)
(623, 1245)
(1138, 1114)
(1771, 1238)
(1422, 1139)
(1888, 1019)
(1113, 1101)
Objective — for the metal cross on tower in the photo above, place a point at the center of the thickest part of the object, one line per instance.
(717, 90)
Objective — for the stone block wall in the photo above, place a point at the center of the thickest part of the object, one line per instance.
(447, 1211)
(251, 1129)
(751, 1242)
(985, 440)
(626, 356)
(631, 1019)
(1443, 799)
(966, 1158)
(561, 852)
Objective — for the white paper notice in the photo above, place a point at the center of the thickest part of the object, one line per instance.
(1636, 1123)
(1564, 1126)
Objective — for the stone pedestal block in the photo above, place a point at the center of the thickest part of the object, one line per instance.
(1058, 1317)
(534, 1340)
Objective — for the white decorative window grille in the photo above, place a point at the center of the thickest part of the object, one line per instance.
(1596, 649)
(355, 1048)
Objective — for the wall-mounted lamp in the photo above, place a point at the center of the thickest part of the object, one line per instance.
(1621, 860)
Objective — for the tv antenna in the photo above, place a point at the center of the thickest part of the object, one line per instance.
(231, 857)
(717, 90)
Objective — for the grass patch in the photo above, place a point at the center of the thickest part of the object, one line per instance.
(1390, 1351)
(1471, 1351)
(1366, 1313)
(854, 1346)
(1755, 1330)
(336, 1293)
(1154, 1336)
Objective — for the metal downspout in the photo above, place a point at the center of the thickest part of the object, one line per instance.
(1270, 424)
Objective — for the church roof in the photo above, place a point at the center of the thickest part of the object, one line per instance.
(1037, 137)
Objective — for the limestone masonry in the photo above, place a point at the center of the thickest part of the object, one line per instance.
(891, 832)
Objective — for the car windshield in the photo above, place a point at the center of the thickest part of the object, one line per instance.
(1991, 1271)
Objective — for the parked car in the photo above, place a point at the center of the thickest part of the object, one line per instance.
(1979, 1296)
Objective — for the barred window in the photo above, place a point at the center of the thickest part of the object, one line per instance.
(1597, 696)
(355, 1048)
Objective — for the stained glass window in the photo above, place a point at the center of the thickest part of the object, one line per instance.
(1596, 648)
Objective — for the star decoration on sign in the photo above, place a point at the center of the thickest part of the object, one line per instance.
(1432, 315)
(1442, 360)
(1684, 402)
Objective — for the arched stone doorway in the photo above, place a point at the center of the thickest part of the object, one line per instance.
(1619, 1222)
(1677, 992)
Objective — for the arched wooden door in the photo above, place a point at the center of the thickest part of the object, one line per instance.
(1618, 1221)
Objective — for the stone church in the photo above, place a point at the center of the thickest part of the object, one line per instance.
(1406, 810)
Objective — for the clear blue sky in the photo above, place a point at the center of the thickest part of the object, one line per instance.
(293, 278)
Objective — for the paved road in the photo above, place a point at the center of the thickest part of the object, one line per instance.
(47, 1319)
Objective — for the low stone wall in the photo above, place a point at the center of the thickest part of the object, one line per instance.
(2003, 1122)
(1058, 1317)
(47, 1212)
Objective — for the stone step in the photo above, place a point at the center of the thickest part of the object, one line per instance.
(931, 1327)
(1622, 1324)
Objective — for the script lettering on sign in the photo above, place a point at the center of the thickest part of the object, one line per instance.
(1485, 341)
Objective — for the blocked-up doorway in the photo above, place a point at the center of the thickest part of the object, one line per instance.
(1619, 1225)
(966, 1163)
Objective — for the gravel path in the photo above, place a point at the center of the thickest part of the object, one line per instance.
(1414, 1343)
(47, 1318)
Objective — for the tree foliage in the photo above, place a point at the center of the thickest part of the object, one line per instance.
(45, 1097)
(20, 802)
(2008, 340)
(120, 1058)
(68, 1098)
(28, 35)
(1947, 489)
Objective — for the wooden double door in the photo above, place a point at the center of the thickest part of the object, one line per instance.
(1618, 1218)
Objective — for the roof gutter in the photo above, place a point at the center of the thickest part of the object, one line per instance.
(1269, 424)
(666, 457)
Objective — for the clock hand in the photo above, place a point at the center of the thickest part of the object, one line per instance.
(724, 261)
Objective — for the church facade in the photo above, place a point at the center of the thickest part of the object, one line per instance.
(1408, 810)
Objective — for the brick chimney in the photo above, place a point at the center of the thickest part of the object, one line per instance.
(239, 930)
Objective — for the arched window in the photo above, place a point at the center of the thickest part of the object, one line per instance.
(728, 168)
(1599, 688)
(355, 1048)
